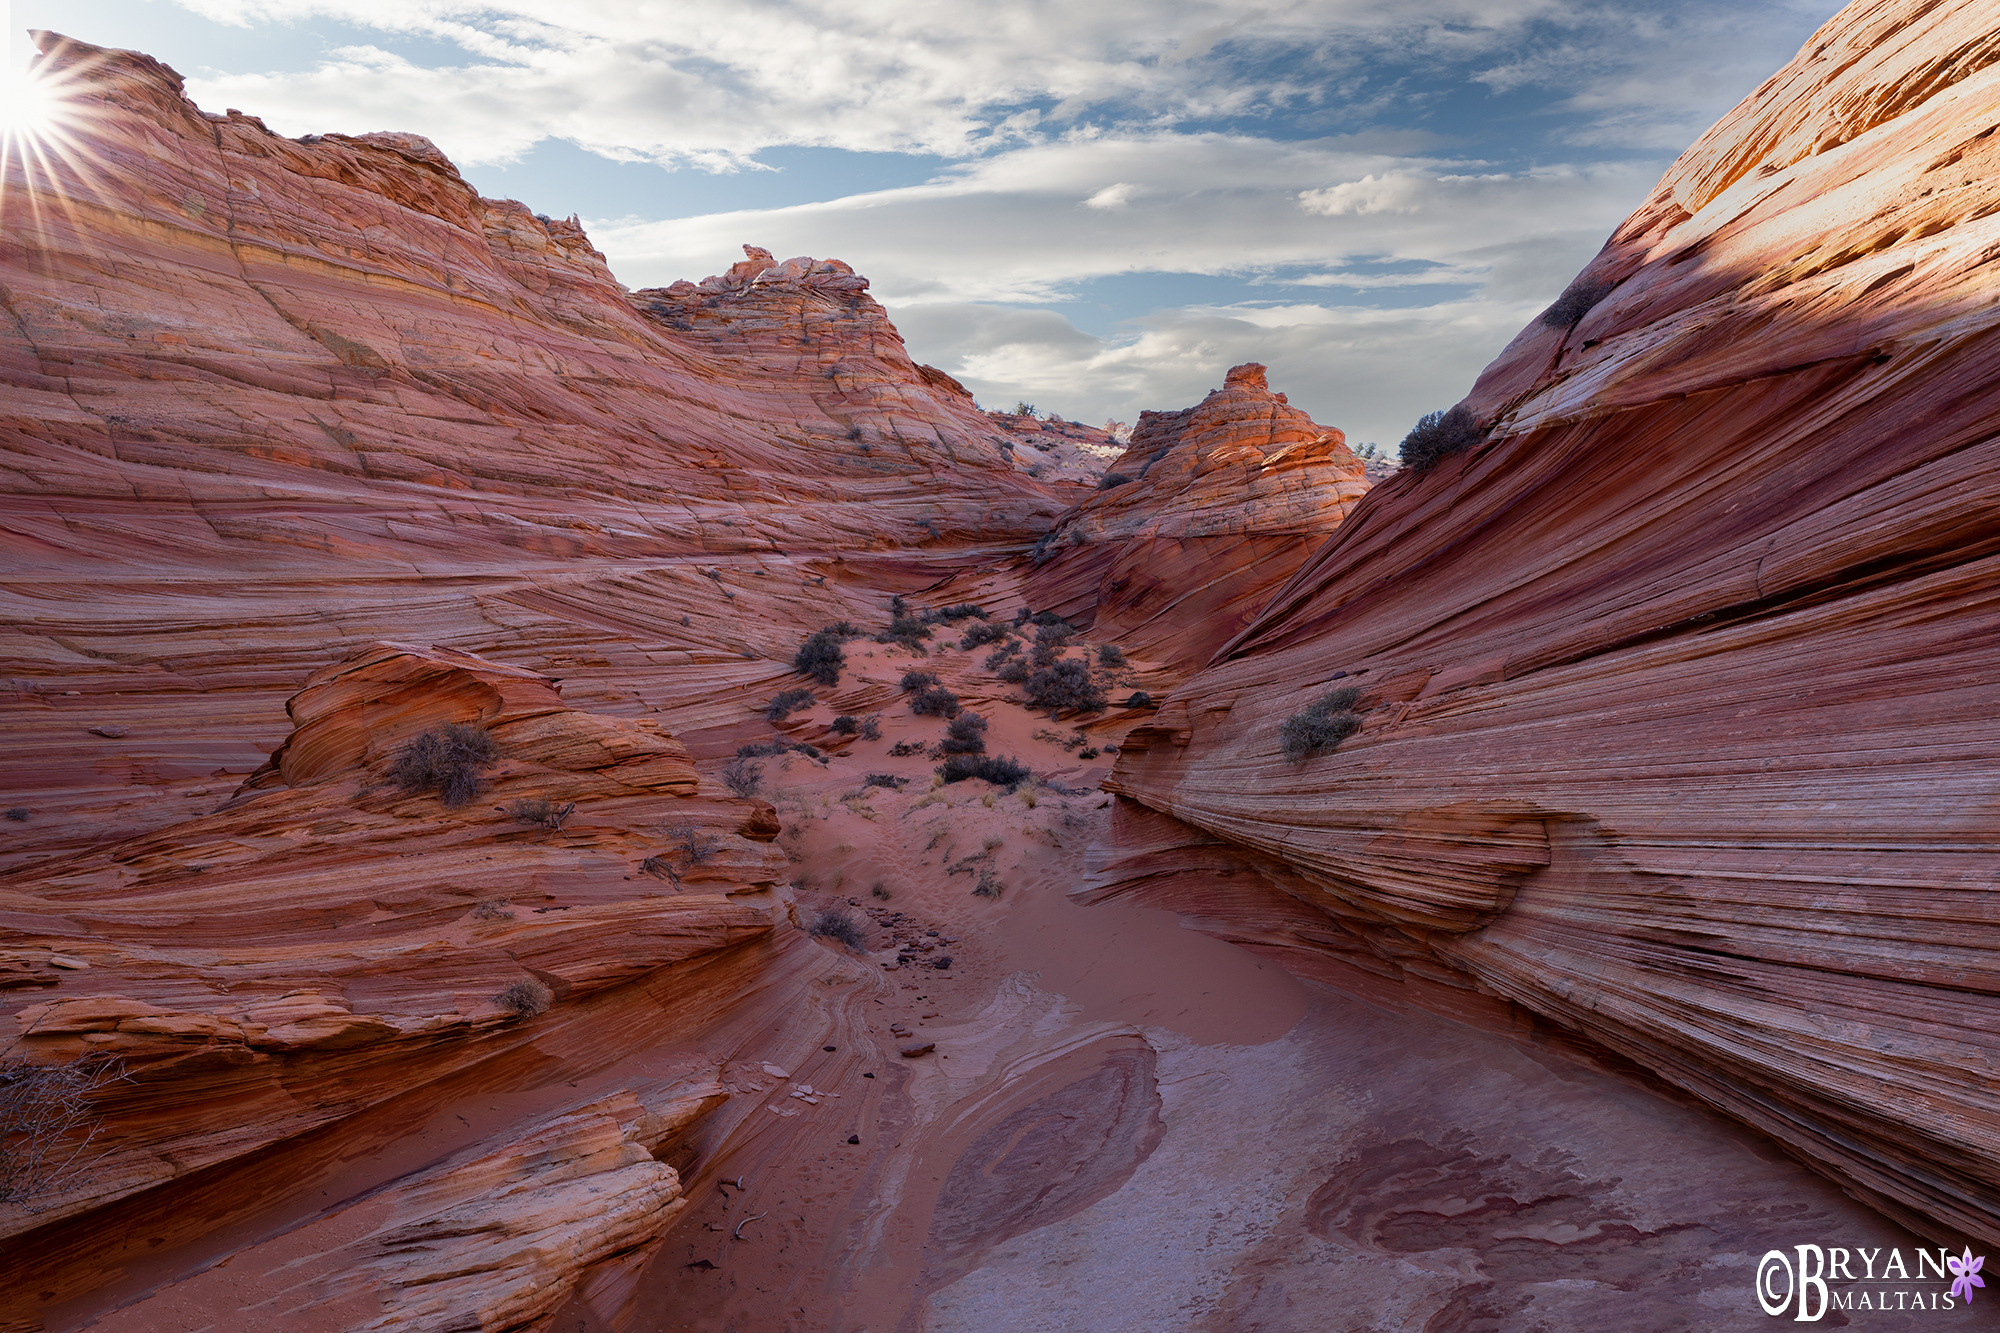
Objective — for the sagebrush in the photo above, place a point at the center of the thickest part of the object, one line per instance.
(834, 923)
(1438, 435)
(1321, 725)
(445, 759)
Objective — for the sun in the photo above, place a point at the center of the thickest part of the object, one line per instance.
(27, 106)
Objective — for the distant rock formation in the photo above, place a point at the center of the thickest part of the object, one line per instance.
(1672, 689)
(1206, 513)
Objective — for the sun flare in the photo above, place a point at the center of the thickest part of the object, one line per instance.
(27, 106)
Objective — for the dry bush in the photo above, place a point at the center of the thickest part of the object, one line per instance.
(446, 759)
(541, 810)
(525, 999)
(46, 1122)
(492, 909)
(916, 682)
(688, 846)
(871, 727)
(846, 725)
(1321, 725)
(743, 777)
(1111, 655)
(835, 923)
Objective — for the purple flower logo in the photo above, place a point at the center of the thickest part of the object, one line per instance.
(1965, 1274)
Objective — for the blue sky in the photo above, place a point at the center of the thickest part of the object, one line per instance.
(1098, 208)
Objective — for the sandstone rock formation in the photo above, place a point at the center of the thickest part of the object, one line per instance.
(328, 942)
(1671, 720)
(1207, 512)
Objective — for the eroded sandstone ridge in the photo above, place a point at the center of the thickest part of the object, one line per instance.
(1672, 691)
(1207, 512)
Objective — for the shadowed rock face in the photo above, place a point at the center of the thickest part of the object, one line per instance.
(1208, 511)
(1680, 670)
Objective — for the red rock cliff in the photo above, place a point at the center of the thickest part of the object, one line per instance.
(1674, 725)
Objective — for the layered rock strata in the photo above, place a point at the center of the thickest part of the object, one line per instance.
(1672, 727)
(331, 943)
(1206, 513)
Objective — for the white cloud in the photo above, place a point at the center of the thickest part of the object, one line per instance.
(712, 82)
(1369, 372)
(1007, 228)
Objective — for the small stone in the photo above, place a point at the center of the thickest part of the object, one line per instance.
(113, 730)
(854, 1138)
(65, 961)
(912, 1050)
(826, 1048)
(942, 963)
(868, 1076)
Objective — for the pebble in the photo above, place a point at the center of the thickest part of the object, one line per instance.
(914, 1049)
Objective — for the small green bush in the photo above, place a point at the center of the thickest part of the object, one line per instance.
(1110, 479)
(1008, 773)
(915, 682)
(934, 701)
(1321, 725)
(446, 759)
(1576, 302)
(966, 735)
(1438, 435)
(1111, 655)
(1062, 687)
(846, 725)
(958, 612)
(1013, 671)
(788, 702)
(978, 636)
(821, 656)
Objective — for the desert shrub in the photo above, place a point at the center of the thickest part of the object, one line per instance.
(1050, 620)
(17, 812)
(46, 1123)
(1110, 654)
(446, 759)
(1086, 754)
(914, 682)
(1022, 615)
(743, 777)
(1321, 725)
(871, 727)
(998, 657)
(985, 632)
(787, 702)
(1140, 699)
(956, 612)
(1110, 479)
(903, 749)
(880, 891)
(1057, 635)
(688, 845)
(1013, 671)
(846, 725)
(989, 886)
(1576, 302)
(889, 780)
(525, 999)
(966, 735)
(821, 656)
(1041, 550)
(1438, 435)
(934, 702)
(492, 909)
(541, 810)
(835, 923)
(904, 628)
(1064, 687)
(1007, 773)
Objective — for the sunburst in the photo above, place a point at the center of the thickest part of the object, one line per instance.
(46, 146)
